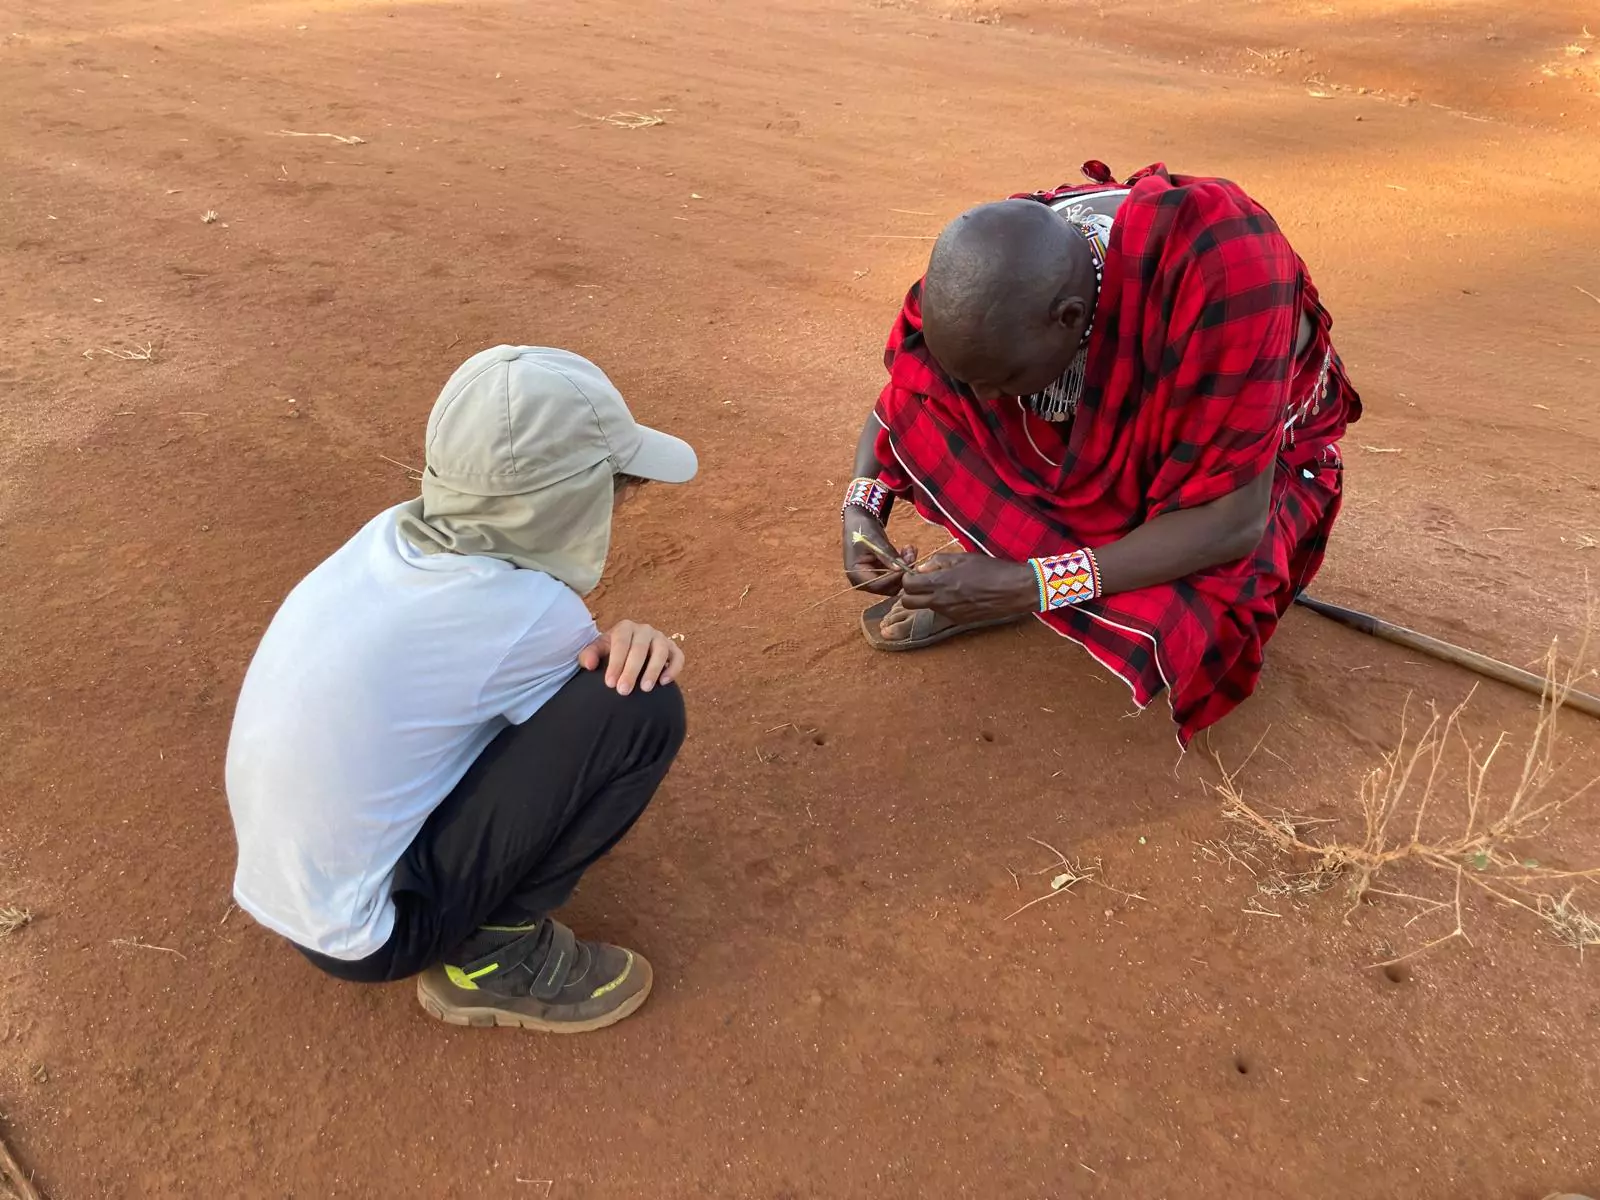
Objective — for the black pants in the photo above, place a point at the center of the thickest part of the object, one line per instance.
(543, 802)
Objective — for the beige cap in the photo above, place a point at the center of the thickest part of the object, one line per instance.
(518, 419)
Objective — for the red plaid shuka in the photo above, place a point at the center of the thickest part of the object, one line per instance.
(1192, 390)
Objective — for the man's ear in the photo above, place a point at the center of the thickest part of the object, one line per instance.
(1068, 311)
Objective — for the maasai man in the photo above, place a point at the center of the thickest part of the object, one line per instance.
(1123, 403)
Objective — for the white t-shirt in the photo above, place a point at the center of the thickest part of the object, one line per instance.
(383, 676)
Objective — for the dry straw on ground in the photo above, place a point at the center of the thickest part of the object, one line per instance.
(144, 353)
(13, 919)
(15, 1183)
(627, 120)
(1066, 873)
(1436, 802)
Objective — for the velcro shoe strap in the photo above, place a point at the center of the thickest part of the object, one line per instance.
(562, 955)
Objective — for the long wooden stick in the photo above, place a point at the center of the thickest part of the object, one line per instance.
(1492, 668)
(12, 1175)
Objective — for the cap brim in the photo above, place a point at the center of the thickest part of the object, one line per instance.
(662, 457)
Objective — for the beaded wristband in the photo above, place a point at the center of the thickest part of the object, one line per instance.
(868, 495)
(1066, 579)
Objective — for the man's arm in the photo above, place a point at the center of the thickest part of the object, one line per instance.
(974, 587)
(866, 465)
(1190, 540)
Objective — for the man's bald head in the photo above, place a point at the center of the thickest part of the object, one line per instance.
(1007, 297)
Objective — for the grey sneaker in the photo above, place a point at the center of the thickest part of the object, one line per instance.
(546, 980)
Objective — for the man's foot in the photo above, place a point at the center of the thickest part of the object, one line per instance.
(547, 980)
(889, 625)
(901, 624)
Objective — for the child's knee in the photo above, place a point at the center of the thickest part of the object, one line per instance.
(662, 712)
(657, 715)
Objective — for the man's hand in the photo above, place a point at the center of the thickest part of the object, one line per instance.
(634, 654)
(862, 567)
(971, 587)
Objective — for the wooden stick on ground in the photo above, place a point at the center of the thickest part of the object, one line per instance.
(1491, 668)
(14, 1177)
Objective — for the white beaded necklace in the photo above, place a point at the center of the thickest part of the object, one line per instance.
(1059, 401)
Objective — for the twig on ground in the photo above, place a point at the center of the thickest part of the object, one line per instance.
(136, 944)
(144, 353)
(1069, 873)
(343, 140)
(1458, 932)
(627, 120)
(1588, 293)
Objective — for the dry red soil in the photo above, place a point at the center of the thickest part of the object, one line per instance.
(843, 1008)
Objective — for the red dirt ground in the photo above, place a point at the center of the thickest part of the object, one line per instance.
(842, 1007)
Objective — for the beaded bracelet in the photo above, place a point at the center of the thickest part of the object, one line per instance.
(1066, 579)
(870, 496)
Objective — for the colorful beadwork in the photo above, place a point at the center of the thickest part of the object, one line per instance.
(1066, 579)
(868, 495)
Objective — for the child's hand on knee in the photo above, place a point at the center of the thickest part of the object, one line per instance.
(635, 655)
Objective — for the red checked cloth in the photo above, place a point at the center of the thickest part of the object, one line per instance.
(1192, 390)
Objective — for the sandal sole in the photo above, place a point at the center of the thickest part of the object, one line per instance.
(872, 618)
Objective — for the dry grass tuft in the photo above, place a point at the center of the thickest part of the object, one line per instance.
(1577, 62)
(1568, 923)
(1465, 829)
(1252, 849)
(13, 919)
